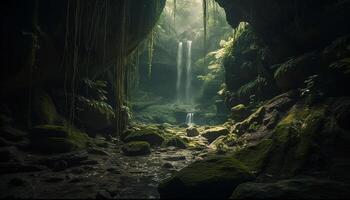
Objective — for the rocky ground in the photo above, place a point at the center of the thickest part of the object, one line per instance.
(103, 170)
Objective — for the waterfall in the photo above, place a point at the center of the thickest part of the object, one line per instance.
(189, 73)
(179, 71)
(190, 119)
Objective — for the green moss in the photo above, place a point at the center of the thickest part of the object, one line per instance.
(256, 117)
(149, 134)
(213, 177)
(57, 139)
(137, 148)
(44, 110)
(255, 157)
(294, 139)
(176, 142)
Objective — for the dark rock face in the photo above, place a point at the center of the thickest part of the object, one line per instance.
(306, 188)
(291, 27)
(211, 178)
(137, 148)
(50, 18)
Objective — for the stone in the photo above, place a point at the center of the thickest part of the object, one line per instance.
(12, 134)
(10, 154)
(52, 139)
(239, 112)
(19, 168)
(175, 158)
(176, 142)
(136, 148)
(44, 110)
(213, 133)
(46, 131)
(60, 166)
(97, 151)
(70, 159)
(168, 166)
(17, 182)
(152, 136)
(192, 132)
(103, 194)
(305, 188)
(95, 115)
(214, 177)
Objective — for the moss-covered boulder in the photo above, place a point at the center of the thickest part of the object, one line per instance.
(151, 135)
(255, 157)
(49, 139)
(176, 142)
(46, 131)
(253, 120)
(44, 110)
(213, 133)
(306, 188)
(214, 177)
(192, 132)
(239, 112)
(137, 148)
(95, 115)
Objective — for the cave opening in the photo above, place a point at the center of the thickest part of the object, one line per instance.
(144, 99)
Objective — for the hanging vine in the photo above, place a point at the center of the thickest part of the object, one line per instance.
(32, 58)
(150, 53)
(205, 24)
(174, 10)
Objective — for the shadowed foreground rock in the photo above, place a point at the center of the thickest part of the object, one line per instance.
(211, 178)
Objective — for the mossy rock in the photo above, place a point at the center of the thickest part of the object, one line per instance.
(95, 115)
(44, 110)
(12, 134)
(50, 139)
(150, 135)
(306, 188)
(137, 148)
(192, 132)
(46, 131)
(255, 157)
(256, 117)
(213, 133)
(239, 112)
(214, 177)
(176, 142)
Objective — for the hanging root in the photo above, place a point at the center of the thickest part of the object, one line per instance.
(205, 23)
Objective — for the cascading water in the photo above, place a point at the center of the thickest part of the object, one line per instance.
(190, 119)
(189, 73)
(179, 71)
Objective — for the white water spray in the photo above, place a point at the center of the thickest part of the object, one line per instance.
(190, 119)
(189, 73)
(179, 71)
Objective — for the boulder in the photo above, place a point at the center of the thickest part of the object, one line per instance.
(137, 148)
(95, 115)
(305, 188)
(192, 132)
(213, 133)
(10, 154)
(46, 131)
(176, 142)
(239, 112)
(148, 134)
(50, 139)
(44, 110)
(214, 177)
(12, 134)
